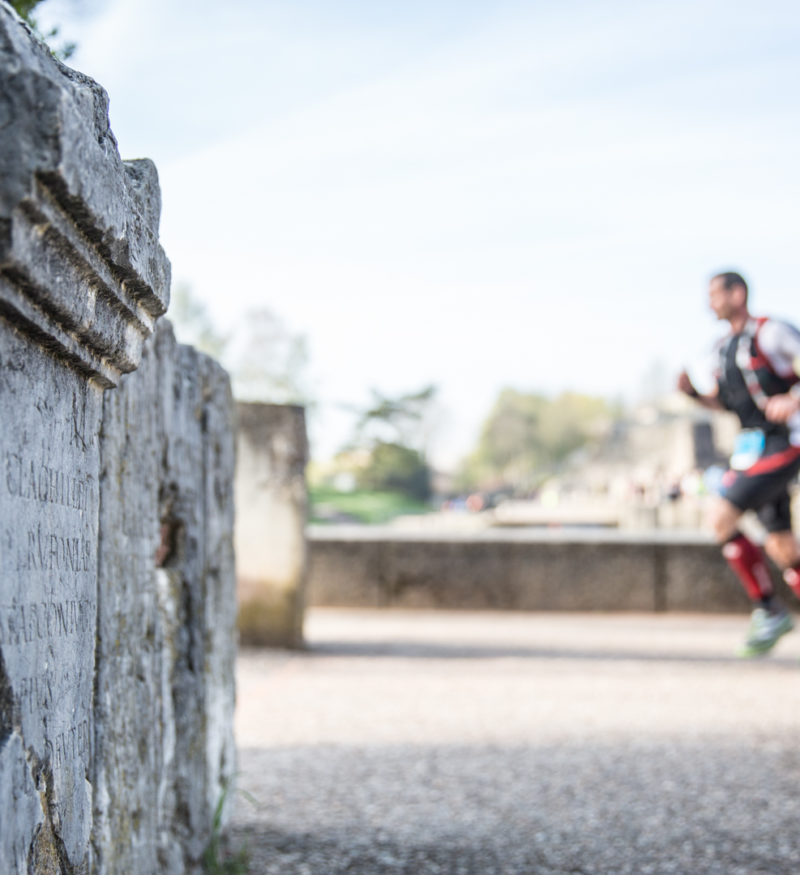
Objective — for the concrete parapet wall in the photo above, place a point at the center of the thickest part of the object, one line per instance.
(520, 570)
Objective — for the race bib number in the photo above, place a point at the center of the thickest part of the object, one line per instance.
(748, 449)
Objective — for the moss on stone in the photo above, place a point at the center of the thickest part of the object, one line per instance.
(270, 622)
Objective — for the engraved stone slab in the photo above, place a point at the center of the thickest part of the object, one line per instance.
(82, 281)
(48, 586)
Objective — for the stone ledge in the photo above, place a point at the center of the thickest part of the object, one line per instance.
(81, 269)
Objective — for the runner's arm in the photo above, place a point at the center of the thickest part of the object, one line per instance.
(710, 401)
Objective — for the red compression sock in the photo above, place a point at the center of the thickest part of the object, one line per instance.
(748, 564)
(792, 577)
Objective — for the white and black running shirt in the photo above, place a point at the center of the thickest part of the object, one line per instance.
(763, 360)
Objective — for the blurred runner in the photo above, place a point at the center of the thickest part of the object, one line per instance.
(758, 379)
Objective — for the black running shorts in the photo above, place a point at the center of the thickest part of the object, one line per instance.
(764, 487)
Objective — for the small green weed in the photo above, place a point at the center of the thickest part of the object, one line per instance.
(216, 861)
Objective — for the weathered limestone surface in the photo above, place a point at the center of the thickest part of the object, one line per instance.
(272, 506)
(116, 686)
(166, 611)
(80, 262)
(82, 280)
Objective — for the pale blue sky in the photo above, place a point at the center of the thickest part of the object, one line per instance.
(477, 194)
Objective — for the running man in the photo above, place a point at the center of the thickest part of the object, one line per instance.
(758, 379)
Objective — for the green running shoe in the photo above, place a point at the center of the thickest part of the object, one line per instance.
(765, 630)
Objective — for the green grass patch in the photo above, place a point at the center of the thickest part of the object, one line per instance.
(215, 860)
(331, 506)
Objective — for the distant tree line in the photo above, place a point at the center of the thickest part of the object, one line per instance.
(525, 438)
(528, 436)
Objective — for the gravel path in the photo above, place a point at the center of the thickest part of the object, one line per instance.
(422, 742)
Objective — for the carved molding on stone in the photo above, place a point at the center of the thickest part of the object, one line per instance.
(81, 269)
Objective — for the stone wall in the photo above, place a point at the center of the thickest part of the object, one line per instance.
(116, 574)
(272, 506)
(164, 692)
(521, 570)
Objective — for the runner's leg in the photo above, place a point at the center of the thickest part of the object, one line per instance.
(745, 558)
(762, 487)
(781, 544)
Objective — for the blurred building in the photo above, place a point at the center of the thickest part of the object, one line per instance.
(656, 468)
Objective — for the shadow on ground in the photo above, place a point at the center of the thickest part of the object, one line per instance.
(666, 806)
(431, 650)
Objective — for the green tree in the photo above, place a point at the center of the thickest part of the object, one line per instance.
(390, 439)
(528, 436)
(24, 8)
(396, 468)
(402, 420)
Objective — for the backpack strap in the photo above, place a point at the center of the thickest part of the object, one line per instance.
(759, 359)
(747, 363)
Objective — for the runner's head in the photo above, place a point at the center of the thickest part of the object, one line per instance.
(727, 294)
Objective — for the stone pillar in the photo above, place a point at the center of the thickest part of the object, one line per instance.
(165, 750)
(82, 281)
(271, 511)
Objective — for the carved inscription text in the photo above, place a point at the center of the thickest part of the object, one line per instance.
(49, 551)
(67, 746)
(36, 481)
(36, 693)
(41, 621)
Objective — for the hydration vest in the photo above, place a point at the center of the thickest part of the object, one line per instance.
(747, 380)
